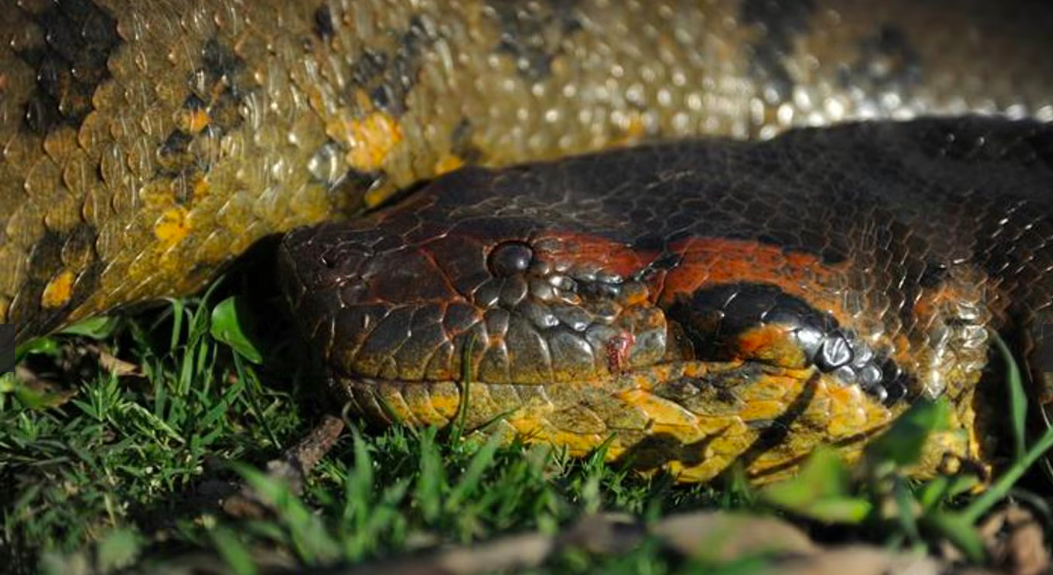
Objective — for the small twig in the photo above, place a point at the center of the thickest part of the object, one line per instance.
(292, 469)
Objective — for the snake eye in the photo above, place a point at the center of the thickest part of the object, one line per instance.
(510, 258)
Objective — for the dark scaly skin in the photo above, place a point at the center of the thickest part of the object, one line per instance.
(146, 143)
(921, 239)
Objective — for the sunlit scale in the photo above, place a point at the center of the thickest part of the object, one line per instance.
(696, 303)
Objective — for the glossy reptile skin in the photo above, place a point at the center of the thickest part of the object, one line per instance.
(147, 143)
(592, 290)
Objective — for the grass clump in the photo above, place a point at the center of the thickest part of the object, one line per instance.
(126, 468)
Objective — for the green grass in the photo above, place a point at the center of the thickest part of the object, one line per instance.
(114, 472)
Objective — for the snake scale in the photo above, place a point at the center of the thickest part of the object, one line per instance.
(145, 144)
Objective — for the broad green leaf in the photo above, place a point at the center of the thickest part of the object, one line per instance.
(98, 327)
(228, 326)
(39, 345)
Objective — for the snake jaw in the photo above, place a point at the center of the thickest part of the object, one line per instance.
(693, 419)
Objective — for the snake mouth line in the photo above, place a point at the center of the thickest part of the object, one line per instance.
(691, 418)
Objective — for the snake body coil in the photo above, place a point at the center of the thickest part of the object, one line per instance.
(144, 144)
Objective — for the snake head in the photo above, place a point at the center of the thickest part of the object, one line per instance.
(555, 302)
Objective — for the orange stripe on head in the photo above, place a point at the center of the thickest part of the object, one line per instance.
(590, 251)
(714, 261)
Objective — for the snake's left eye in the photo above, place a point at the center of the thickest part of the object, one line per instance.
(510, 258)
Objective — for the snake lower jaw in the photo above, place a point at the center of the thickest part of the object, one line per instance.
(694, 420)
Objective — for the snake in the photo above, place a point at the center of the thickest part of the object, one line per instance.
(145, 145)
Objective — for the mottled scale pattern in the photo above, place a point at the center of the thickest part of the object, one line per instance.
(569, 289)
(146, 143)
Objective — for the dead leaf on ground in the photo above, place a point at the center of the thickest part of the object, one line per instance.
(1015, 541)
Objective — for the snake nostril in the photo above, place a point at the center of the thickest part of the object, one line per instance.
(510, 258)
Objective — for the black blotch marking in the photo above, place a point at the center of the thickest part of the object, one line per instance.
(666, 261)
(461, 143)
(387, 77)
(46, 256)
(781, 21)
(368, 66)
(533, 33)
(898, 384)
(680, 390)
(29, 317)
(360, 180)
(227, 85)
(831, 255)
(713, 387)
(323, 22)
(887, 63)
(194, 103)
(220, 97)
(349, 190)
(220, 63)
(70, 65)
(173, 155)
(177, 142)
